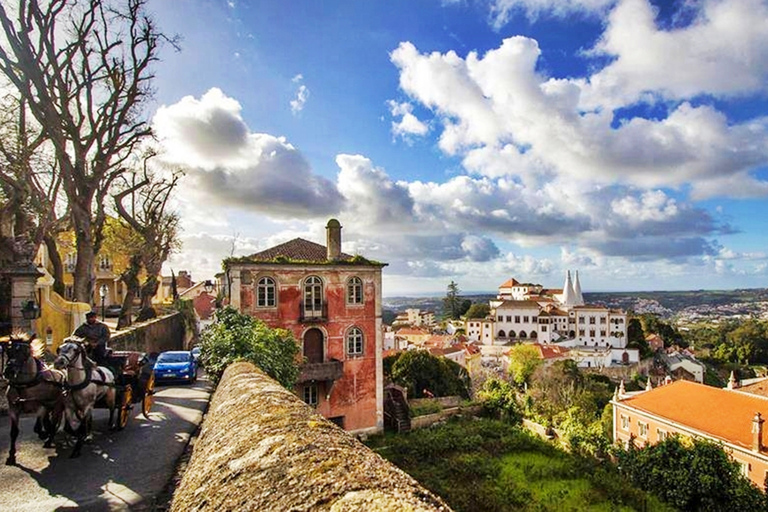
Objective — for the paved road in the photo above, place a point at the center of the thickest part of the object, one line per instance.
(116, 471)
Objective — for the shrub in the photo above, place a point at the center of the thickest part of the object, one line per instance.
(238, 337)
(418, 370)
(498, 399)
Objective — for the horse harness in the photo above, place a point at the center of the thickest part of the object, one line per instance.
(87, 380)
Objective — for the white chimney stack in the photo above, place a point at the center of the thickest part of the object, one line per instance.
(333, 237)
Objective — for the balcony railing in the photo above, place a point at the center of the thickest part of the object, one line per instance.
(317, 313)
(330, 370)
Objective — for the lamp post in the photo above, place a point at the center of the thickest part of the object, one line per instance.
(208, 286)
(103, 289)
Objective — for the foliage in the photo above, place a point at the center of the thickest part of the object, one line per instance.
(238, 337)
(523, 361)
(695, 475)
(652, 324)
(636, 337)
(420, 371)
(478, 310)
(499, 399)
(482, 464)
(735, 341)
(425, 408)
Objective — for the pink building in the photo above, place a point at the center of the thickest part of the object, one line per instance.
(331, 301)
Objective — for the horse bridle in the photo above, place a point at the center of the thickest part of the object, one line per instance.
(70, 362)
(14, 365)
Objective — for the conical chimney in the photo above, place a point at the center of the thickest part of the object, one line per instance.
(577, 296)
(568, 294)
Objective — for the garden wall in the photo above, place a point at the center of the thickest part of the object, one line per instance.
(157, 335)
(261, 448)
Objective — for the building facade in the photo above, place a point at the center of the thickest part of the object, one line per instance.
(331, 302)
(730, 418)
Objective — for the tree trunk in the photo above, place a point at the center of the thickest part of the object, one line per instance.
(84, 266)
(131, 279)
(148, 290)
(58, 267)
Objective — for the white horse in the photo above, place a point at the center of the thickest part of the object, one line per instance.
(86, 385)
(32, 387)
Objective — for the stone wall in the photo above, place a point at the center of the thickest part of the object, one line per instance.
(261, 448)
(157, 335)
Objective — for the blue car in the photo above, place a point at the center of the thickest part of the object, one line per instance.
(176, 365)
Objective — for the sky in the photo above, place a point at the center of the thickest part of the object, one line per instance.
(474, 140)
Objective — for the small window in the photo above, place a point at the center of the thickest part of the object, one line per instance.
(525, 319)
(642, 429)
(517, 319)
(310, 395)
(500, 318)
(313, 294)
(509, 318)
(265, 293)
(661, 435)
(354, 290)
(624, 422)
(355, 342)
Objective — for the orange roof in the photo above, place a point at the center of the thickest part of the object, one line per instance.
(551, 351)
(725, 415)
(509, 283)
(439, 340)
(411, 331)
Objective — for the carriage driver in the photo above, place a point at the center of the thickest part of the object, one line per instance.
(97, 336)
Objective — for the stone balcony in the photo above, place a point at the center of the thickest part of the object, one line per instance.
(330, 370)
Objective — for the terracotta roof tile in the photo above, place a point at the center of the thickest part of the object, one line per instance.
(296, 249)
(723, 414)
(509, 283)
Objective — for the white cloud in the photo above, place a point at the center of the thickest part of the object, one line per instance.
(503, 10)
(409, 124)
(234, 167)
(723, 52)
(302, 95)
(505, 119)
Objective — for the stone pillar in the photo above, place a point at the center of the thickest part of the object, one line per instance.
(234, 283)
(23, 279)
(757, 432)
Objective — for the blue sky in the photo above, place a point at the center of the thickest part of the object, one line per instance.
(476, 140)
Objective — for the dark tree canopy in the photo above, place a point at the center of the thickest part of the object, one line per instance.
(478, 310)
(420, 371)
(691, 475)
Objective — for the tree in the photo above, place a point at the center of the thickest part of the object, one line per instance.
(499, 399)
(418, 370)
(695, 475)
(147, 214)
(452, 302)
(238, 337)
(84, 71)
(478, 310)
(523, 362)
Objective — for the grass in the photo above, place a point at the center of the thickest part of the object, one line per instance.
(486, 465)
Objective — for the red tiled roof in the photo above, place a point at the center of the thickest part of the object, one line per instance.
(551, 351)
(509, 283)
(297, 249)
(723, 414)
(405, 331)
(437, 351)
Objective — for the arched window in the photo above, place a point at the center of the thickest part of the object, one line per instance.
(266, 296)
(534, 335)
(354, 290)
(523, 335)
(512, 334)
(502, 334)
(313, 296)
(354, 342)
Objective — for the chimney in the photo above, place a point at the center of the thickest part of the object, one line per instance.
(333, 236)
(757, 432)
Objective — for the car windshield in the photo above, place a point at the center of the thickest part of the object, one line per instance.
(182, 357)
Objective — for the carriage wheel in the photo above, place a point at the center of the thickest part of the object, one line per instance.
(149, 395)
(125, 407)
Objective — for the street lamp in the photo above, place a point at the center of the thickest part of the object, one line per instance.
(103, 289)
(208, 286)
(30, 310)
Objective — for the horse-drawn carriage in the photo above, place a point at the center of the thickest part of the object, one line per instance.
(134, 383)
(74, 385)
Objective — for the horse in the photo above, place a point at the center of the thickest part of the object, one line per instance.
(86, 385)
(32, 387)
